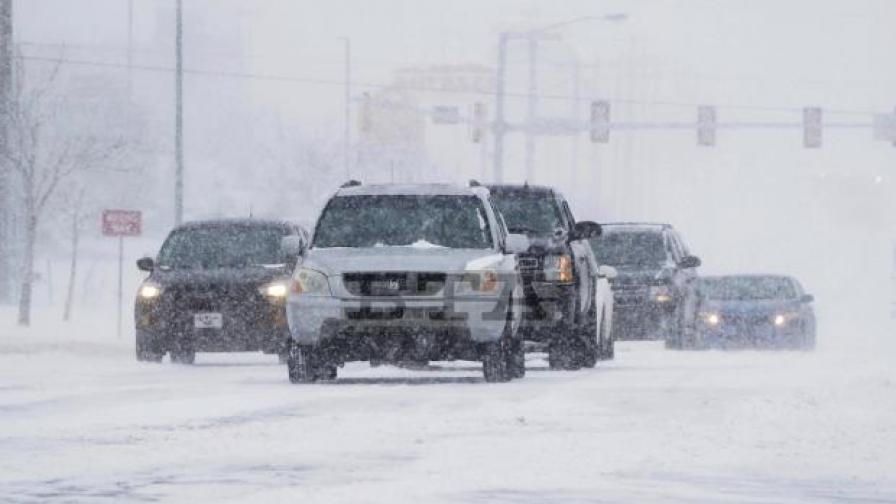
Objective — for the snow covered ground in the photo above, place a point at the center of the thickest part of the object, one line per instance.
(81, 421)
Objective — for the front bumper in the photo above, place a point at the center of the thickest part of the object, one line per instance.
(315, 319)
(643, 321)
(162, 326)
(751, 336)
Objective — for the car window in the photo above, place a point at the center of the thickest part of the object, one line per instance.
(404, 220)
(221, 247)
(531, 212)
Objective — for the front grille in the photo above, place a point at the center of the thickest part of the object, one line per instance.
(528, 263)
(630, 294)
(214, 297)
(394, 283)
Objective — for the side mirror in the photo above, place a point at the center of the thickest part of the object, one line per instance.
(292, 247)
(585, 230)
(516, 243)
(688, 262)
(145, 264)
(807, 298)
(607, 272)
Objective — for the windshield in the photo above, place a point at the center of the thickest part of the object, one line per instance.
(221, 247)
(629, 248)
(747, 288)
(396, 221)
(534, 213)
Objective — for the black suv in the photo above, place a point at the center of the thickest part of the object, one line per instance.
(655, 292)
(566, 308)
(217, 286)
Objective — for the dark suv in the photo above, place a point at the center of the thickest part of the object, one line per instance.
(655, 291)
(569, 305)
(217, 286)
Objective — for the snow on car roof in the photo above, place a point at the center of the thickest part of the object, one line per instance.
(635, 226)
(406, 189)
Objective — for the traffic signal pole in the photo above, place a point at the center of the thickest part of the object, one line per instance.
(500, 125)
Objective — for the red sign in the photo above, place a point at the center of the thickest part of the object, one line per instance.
(121, 222)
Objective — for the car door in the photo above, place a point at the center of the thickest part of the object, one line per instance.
(583, 257)
(687, 277)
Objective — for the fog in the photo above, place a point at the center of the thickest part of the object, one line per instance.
(264, 114)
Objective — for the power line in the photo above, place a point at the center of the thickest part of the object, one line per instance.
(380, 85)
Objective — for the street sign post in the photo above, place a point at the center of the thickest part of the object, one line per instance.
(121, 223)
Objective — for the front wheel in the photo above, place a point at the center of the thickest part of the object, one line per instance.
(494, 363)
(304, 365)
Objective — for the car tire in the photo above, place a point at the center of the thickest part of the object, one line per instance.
(303, 365)
(498, 356)
(565, 352)
(148, 356)
(516, 359)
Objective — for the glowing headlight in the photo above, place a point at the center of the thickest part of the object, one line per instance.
(482, 281)
(712, 319)
(661, 293)
(275, 290)
(149, 291)
(558, 269)
(309, 282)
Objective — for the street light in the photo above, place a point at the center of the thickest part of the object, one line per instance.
(500, 126)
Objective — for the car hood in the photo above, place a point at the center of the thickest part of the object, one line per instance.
(335, 261)
(762, 307)
(252, 275)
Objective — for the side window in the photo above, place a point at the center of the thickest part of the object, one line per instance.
(567, 215)
(673, 247)
(681, 245)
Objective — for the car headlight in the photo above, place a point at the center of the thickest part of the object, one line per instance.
(479, 281)
(309, 282)
(149, 291)
(783, 319)
(711, 319)
(275, 290)
(558, 268)
(661, 293)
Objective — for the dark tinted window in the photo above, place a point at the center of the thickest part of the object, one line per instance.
(747, 288)
(224, 246)
(534, 213)
(370, 221)
(636, 248)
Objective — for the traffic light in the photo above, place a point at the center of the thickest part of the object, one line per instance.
(478, 122)
(706, 126)
(600, 121)
(812, 127)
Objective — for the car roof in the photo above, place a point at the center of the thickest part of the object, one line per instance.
(519, 188)
(245, 222)
(405, 190)
(636, 226)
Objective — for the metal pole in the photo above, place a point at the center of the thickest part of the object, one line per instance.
(179, 120)
(130, 56)
(7, 221)
(348, 112)
(120, 283)
(531, 108)
(500, 125)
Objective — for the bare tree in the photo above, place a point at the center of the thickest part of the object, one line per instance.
(45, 148)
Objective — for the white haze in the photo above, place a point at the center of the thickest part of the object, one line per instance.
(756, 202)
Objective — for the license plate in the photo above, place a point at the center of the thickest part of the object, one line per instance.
(208, 321)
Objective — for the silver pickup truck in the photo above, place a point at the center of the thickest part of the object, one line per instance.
(407, 273)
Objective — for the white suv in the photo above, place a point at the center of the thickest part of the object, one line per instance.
(407, 273)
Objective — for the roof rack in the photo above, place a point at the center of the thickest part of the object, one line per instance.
(350, 183)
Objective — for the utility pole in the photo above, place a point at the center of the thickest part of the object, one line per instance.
(179, 119)
(346, 139)
(531, 109)
(130, 55)
(7, 206)
(500, 124)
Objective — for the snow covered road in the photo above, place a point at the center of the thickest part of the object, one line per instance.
(84, 422)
